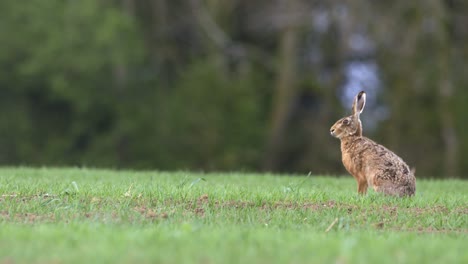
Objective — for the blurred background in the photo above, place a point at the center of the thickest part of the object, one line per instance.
(236, 85)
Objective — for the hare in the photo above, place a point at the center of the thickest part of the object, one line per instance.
(370, 163)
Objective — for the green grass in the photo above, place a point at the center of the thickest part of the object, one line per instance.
(89, 216)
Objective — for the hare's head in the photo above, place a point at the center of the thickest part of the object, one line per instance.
(350, 125)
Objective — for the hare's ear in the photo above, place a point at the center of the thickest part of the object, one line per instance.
(359, 103)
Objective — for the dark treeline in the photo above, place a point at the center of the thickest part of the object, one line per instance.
(231, 85)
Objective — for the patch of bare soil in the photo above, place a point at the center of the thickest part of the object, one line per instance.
(431, 230)
(389, 212)
(26, 198)
(203, 204)
(150, 213)
(29, 218)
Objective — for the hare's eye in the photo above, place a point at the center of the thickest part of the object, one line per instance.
(345, 121)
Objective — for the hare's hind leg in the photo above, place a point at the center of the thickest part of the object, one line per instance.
(404, 191)
(387, 190)
(383, 186)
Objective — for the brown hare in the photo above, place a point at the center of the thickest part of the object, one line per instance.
(370, 163)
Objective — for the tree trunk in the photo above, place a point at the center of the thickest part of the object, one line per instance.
(446, 92)
(159, 43)
(285, 91)
(448, 132)
(120, 70)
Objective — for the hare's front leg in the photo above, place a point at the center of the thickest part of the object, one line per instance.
(362, 186)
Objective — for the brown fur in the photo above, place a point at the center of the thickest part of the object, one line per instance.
(371, 164)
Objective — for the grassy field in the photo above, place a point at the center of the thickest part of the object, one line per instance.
(89, 216)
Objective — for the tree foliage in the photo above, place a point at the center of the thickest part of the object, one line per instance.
(229, 85)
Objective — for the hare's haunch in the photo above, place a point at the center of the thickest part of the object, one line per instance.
(371, 164)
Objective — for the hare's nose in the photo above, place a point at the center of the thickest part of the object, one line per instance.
(332, 130)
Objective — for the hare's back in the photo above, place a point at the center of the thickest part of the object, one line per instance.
(386, 165)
